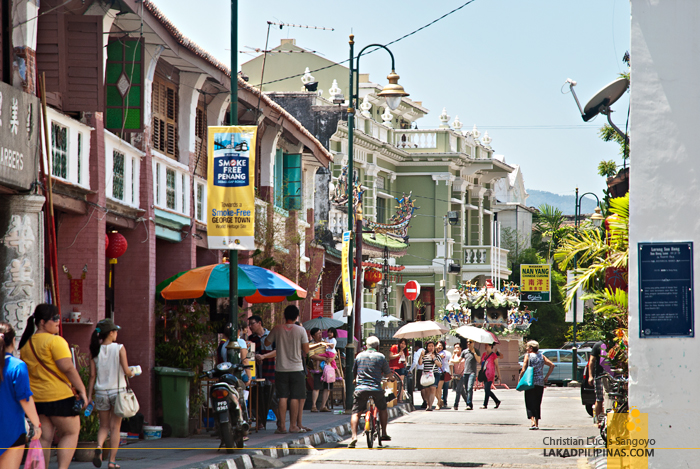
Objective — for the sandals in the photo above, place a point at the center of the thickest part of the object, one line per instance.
(114, 465)
(97, 459)
(281, 431)
(306, 429)
(314, 409)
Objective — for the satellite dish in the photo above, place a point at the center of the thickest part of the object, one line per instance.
(605, 98)
(601, 102)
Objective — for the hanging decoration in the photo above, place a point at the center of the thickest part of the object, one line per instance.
(106, 242)
(497, 310)
(372, 278)
(116, 248)
(76, 285)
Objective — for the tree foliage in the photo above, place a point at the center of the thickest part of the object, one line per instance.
(549, 225)
(596, 251)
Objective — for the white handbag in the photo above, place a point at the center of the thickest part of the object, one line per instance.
(427, 379)
(127, 405)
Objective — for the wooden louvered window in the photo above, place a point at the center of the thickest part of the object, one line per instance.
(164, 109)
(200, 137)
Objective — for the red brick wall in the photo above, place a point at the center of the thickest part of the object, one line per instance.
(81, 240)
(331, 274)
(135, 294)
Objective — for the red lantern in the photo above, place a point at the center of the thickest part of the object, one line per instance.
(116, 247)
(372, 277)
(106, 242)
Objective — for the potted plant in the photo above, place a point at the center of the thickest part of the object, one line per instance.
(87, 438)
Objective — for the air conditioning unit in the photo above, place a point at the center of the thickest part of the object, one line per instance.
(454, 268)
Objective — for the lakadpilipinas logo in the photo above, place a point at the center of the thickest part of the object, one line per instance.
(231, 160)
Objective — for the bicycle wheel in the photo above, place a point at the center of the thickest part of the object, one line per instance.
(369, 433)
(399, 387)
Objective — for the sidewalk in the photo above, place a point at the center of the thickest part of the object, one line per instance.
(202, 450)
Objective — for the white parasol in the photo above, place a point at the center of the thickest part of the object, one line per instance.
(367, 315)
(420, 329)
(475, 333)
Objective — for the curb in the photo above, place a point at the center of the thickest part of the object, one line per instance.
(300, 446)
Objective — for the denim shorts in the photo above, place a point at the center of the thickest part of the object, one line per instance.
(105, 400)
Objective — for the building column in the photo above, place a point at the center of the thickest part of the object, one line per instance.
(22, 254)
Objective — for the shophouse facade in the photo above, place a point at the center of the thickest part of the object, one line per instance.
(514, 214)
(445, 169)
(129, 101)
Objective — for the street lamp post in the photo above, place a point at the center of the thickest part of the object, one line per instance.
(596, 219)
(392, 92)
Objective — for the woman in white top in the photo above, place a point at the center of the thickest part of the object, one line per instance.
(108, 371)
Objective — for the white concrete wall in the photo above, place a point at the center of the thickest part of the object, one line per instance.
(665, 206)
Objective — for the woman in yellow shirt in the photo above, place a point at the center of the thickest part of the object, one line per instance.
(51, 373)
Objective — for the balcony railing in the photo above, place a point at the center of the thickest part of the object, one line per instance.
(416, 139)
(476, 256)
(337, 221)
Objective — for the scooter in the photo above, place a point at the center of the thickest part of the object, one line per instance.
(230, 413)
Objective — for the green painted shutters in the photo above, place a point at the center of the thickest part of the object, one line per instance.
(292, 182)
(124, 86)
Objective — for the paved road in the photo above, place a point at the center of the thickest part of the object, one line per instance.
(477, 438)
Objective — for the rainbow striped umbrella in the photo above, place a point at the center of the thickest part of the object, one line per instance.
(255, 284)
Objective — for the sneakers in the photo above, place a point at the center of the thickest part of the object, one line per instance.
(352, 443)
(385, 438)
(497, 404)
(470, 407)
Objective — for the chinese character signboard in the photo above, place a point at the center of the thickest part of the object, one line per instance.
(535, 280)
(19, 137)
(231, 188)
(666, 290)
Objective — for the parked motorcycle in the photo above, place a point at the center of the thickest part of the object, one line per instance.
(230, 413)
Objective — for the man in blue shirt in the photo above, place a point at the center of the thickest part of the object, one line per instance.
(369, 369)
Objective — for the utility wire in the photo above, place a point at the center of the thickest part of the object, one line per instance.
(370, 51)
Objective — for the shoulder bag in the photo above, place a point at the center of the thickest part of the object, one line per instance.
(526, 381)
(427, 378)
(482, 372)
(126, 405)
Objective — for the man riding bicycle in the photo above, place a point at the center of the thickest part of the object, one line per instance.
(369, 369)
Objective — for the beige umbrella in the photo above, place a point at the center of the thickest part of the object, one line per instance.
(476, 334)
(420, 329)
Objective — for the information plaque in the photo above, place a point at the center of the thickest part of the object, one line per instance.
(666, 290)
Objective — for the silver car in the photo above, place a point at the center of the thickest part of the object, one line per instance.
(562, 365)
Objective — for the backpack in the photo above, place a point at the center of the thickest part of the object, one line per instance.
(328, 375)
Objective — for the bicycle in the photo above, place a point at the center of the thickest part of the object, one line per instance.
(620, 402)
(371, 422)
(399, 386)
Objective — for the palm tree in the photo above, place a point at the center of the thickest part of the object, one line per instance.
(598, 251)
(549, 223)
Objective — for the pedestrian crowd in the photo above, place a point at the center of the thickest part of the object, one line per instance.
(42, 393)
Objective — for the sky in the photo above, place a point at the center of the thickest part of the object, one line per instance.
(497, 64)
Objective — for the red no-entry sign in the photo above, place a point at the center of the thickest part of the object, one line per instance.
(411, 290)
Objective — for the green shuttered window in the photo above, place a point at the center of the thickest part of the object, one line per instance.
(292, 182)
(124, 86)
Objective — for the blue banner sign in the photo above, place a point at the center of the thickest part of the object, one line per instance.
(666, 290)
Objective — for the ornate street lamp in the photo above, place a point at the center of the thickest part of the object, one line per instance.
(392, 92)
(597, 218)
